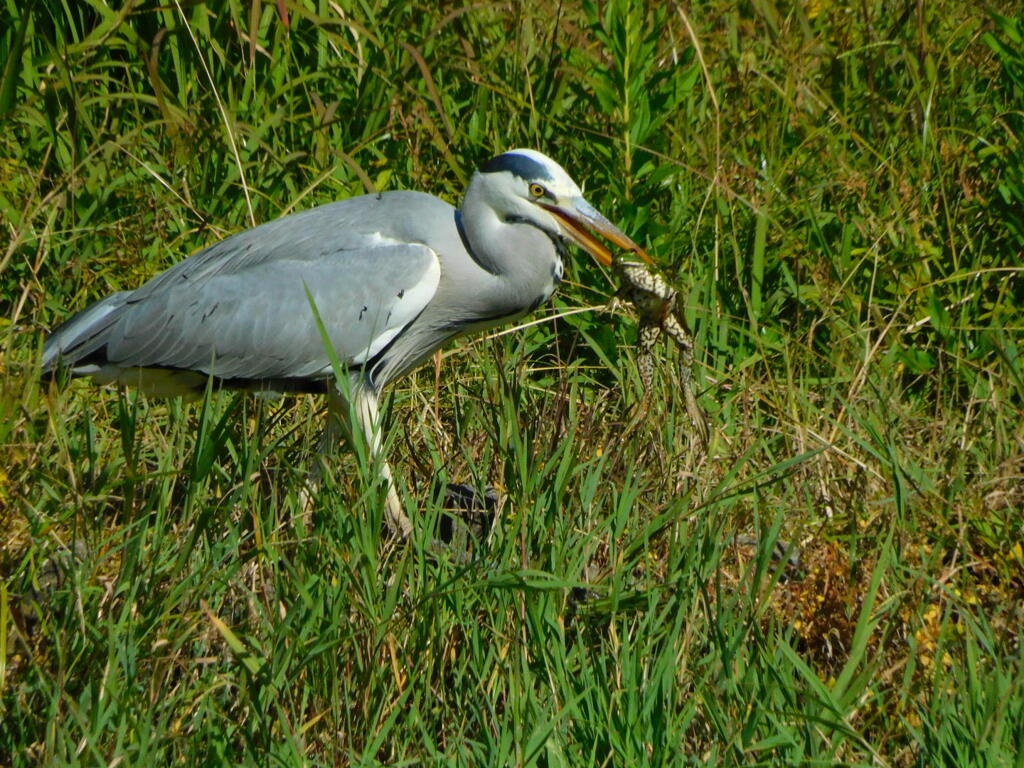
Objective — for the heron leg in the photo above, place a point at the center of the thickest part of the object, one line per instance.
(336, 430)
(364, 409)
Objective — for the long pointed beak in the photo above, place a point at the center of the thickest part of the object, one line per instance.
(580, 220)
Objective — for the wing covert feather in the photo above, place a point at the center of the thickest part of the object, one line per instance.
(257, 323)
(239, 308)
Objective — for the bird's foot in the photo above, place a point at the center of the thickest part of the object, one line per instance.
(467, 516)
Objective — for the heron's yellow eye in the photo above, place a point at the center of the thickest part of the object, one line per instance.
(537, 190)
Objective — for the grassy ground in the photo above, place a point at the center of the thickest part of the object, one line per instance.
(838, 191)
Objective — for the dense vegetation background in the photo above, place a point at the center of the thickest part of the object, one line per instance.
(838, 190)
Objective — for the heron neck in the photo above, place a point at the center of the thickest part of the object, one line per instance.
(522, 258)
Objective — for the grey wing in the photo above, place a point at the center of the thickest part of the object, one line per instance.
(240, 309)
(258, 323)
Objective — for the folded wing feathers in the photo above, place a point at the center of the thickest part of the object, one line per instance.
(243, 312)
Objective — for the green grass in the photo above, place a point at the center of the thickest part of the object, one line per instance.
(837, 190)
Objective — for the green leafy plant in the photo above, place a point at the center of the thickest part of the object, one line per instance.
(836, 191)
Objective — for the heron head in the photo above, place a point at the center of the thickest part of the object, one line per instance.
(525, 186)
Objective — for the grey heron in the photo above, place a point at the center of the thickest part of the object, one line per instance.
(393, 277)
